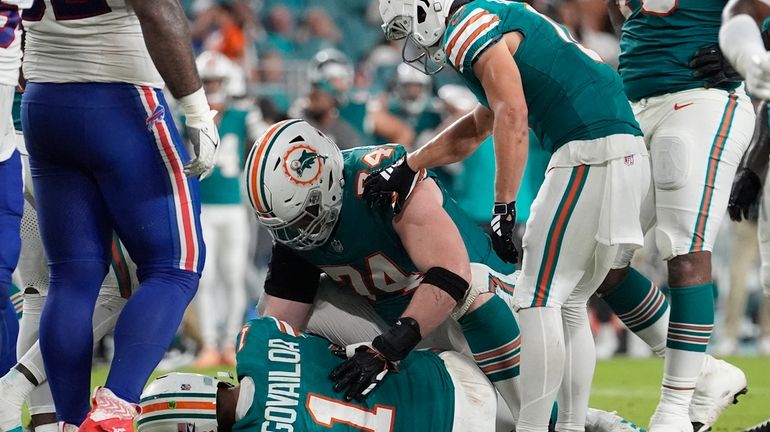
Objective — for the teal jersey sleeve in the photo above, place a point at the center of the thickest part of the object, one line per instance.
(292, 390)
(570, 93)
(365, 253)
(659, 38)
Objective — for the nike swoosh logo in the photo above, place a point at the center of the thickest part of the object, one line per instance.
(677, 107)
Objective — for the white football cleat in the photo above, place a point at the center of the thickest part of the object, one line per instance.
(719, 385)
(667, 421)
(602, 421)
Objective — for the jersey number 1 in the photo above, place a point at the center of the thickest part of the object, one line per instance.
(64, 10)
(326, 412)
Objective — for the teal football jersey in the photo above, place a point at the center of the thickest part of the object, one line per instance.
(223, 185)
(658, 40)
(292, 390)
(365, 252)
(571, 95)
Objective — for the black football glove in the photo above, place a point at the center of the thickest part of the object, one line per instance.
(367, 364)
(710, 65)
(744, 195)
(392, 185)
(361, 373)
(503, 224)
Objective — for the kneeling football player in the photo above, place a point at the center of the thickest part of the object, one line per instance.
(414, 269)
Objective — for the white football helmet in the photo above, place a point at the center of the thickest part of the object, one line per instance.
(180, 402)
(422, 24)
(215, 66)
(412, 89)
(294, 181)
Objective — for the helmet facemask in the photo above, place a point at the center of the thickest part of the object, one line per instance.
(311, 228)
(422, 26)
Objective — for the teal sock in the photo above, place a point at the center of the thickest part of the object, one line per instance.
(637, 301)
(692, 317)
(493, 336)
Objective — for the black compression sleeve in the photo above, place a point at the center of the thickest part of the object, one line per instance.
(290, 277)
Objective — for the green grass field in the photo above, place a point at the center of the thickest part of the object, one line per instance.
(631, 387)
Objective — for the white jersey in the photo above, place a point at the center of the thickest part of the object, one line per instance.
(86, 41)
(10, 40)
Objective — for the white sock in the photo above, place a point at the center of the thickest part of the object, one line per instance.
(680, 374)
(509, 390)
(542, 365)
(655, 335)
(579, 365)
(40, 401)
(14, 389)
(30, 322)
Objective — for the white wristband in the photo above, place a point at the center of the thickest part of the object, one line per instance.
(741, 42)
(195, 105)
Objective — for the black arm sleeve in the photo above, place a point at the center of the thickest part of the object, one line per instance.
(290, 277)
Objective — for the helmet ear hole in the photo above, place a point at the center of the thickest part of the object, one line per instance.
(422, 13)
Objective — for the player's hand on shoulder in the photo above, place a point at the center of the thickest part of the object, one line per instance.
(368, 363)
(503, 225)
(202, 133)
(710, 65)
(363, 370)
(744, 194)
(392, 184)
(758, 77)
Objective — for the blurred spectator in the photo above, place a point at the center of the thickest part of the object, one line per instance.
(321, 112)
(588, 31)
(280, 31)
(744, 258)
(317, 32)
(332, 71)
(272, 84)
(412, 101)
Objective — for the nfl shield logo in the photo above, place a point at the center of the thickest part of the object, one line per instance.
(628, 160)
(186, 387)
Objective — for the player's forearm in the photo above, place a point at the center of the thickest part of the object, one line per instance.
(430, 306)
(453, 144)
(167, 37)
(511, 133)
(739, 37)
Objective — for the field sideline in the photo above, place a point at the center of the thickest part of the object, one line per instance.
(630, 386)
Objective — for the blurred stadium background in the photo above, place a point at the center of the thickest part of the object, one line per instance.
(327, 61)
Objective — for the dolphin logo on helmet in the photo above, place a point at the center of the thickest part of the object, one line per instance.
(294, 179)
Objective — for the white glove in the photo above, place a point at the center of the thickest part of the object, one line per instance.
(758, 77)
(202, 132)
